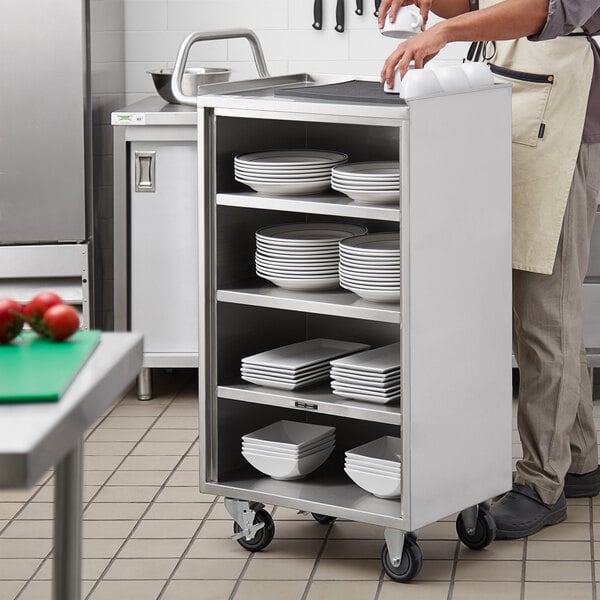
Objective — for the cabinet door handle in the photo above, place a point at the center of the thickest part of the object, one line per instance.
(145, 166)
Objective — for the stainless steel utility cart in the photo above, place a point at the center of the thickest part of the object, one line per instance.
(453, 321)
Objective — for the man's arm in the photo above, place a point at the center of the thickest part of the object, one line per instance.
(442, 8)
(507, 20)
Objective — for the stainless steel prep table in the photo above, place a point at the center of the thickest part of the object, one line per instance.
(37, 437)
(453, 320)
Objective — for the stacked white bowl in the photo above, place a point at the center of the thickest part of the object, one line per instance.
(368, 182)
(297, 365)
(376, 467)
(370, 266)
(302, 256)
(371, 376)
(287, 172)
(288, 450)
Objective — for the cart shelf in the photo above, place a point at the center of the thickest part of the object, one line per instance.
(336, 303)
(318, 399)
(327, 491)
(333, 204)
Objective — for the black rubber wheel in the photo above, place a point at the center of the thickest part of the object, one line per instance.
(323, 519)
(263, 537)
(484, 534)
(410, 565)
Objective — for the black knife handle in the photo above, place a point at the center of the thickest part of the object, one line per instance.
(359, 7)
(318, 14)
(377, 5)
(339, 16)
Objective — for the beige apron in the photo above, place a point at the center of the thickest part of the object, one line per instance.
(551, 83)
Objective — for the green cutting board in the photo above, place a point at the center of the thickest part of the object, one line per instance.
(34, 369)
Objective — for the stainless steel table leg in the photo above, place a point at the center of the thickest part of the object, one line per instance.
(66, 576)
(145, 384)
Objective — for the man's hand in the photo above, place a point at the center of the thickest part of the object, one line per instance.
(393, 6)
(421, 48)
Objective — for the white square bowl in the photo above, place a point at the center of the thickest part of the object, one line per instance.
(265, 447)
(379, 485)
(384, 451)
(375, 468)
(287, 468)
(290, 435)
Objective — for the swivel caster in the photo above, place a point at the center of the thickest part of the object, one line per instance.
(476, 531)
(263, 537)
(410, 563)
(323, 519)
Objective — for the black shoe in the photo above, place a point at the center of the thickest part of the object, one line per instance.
(521, 512)
(582, 486)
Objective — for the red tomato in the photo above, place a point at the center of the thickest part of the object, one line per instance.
(37, 306)
(60, 322)
(11, 319)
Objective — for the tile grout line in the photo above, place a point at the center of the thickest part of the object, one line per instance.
(380, 584)
(453, 573)
(523, 568)
(317, 561)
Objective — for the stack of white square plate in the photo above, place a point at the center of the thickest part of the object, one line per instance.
(372, 376)
(287, 172)
(287, 449)
(376, 467)
(368, 182)
(370, 266)
(302, 256)
(297, 365)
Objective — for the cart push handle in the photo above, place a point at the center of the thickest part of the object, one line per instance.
(203, 36)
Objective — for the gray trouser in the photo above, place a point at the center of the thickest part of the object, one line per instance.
(555, 418)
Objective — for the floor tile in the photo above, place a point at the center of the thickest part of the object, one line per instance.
(297, 568)
(141, 568)
(438, 531)
(93, 548)
(288, 548)
(136, 422)
(189, 463)
(202, 590)
(353, 549)
(18, 495)
(152, 478)
(178, 510)
(437, 550)
(348, 569)
(171, 435)
(149, 463)
(37, 590)
(210, 568)
(261, 590)
(299, 529)
(348, 590)
(157, 548)
(153, 409)
(558, 591)
(96, 477)
(91, 569)
(37, 510)
(163, 528)
(537, 550)
(356, 531)
(107, 529)
(19, 568)
(185, 478)
(564, 531)
(24, 548)
(9, 509)
(558, 570)
(172, 493)
(217, 548)
(578, 514)
(9, 589)
(129, 590)
(485, 570)
(29, 529)
(219, 529)
(498, 550)
(490, 590)
(161, 449)
(102, 463)
(176, 423)
(435, 570)
(416, 590)
(107, 448)
(129, 493)
(114, 510)
(116, 435)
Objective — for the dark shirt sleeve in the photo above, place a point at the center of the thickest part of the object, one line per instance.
(564, 16)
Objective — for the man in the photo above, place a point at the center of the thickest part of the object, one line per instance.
(545, 49)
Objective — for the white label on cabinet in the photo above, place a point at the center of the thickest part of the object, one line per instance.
(128, 119)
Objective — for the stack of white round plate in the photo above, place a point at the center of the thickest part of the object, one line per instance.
(302, 256)
(287, 172)
(370, 266)
(368, 182)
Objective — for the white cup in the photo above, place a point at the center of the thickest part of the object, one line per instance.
(396, 87)
(478, 74)
(452, 79)
(407, 23)
(417, 83)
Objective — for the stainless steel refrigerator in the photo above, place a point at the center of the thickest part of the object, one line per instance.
(46, 206)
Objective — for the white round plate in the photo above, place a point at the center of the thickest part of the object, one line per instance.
(296, 265)
(304, 285)
(262, 179)
(306, 274)
(298, 252)
(300, 157)
(366, 271)
(388, 197)
(370, 170)
(297, 260)
(309, 234)
(375, 295)
(367, 285)
(352, 180)
(373, 244)
(375, 263)
(300, 171)
(308, 244)
(371, 282)
(288, 189)
(339, 186)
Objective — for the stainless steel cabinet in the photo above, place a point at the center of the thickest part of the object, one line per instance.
(156, 233)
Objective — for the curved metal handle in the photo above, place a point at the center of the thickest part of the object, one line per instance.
(202, 36)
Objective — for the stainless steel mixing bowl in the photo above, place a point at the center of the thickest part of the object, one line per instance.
(192, 78)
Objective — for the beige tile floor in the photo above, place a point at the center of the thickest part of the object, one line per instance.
(149, 534)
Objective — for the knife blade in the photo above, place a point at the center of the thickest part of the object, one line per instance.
(359, 7)
(339, 16)
(318, 14)
(377, 5)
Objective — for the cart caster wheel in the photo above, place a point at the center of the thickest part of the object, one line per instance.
(484, 534)
(263, 537)
(323, 519)
(410, 565)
